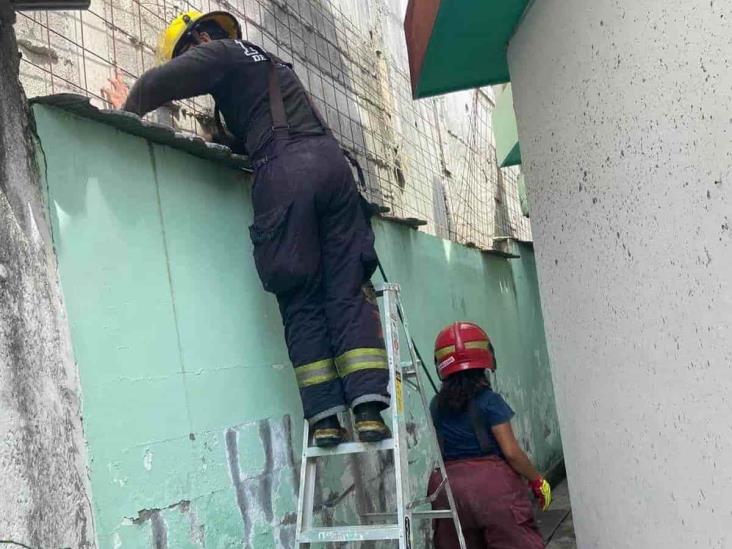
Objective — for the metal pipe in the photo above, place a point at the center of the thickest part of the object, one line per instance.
(23, 5)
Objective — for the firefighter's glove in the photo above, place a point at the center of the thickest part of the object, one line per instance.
(542, 492)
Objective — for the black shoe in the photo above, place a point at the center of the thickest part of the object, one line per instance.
(328, 432)
(369, 424)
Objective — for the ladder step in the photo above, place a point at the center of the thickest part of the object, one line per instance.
(433, 514)
(384, 287)
(379, 526)
(350, 533)
(350, 448)
(408, 369)
(427, 514)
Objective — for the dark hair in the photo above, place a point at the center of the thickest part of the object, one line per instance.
(213, 29)
(460, 388)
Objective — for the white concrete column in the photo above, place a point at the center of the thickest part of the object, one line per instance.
(624, 111)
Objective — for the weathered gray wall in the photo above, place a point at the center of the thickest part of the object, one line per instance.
(44, 491)
(432, 159)
(624, 119)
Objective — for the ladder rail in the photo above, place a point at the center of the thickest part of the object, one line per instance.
(306, 497)
(399, 374)
(431, 428)
(391, 336)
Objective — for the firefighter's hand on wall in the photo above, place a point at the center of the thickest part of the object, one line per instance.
(115, 91)
(542, 491)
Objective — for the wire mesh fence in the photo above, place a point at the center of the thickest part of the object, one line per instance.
(433, 159)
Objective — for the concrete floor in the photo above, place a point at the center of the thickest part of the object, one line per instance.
(556, 523)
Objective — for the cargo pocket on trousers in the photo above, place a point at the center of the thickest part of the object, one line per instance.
(522, 511)
(276, 252)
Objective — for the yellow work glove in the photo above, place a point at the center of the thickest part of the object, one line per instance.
(543, 492)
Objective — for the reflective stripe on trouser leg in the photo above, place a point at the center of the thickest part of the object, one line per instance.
(315, 373)
(365, 373)
(361, 359)
(320, 389)
(308, 344)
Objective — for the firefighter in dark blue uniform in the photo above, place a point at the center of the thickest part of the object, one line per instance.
(313, 243)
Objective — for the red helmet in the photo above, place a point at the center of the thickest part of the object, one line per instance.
(463, 346)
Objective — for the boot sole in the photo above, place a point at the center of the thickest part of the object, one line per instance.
(327, 442)
(373, 436)
(330, 438)
(372, 431)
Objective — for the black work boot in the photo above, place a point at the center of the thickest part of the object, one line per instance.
(328, 432)
(369, 424)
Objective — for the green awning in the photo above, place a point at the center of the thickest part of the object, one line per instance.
(459, 44)
(508, 151)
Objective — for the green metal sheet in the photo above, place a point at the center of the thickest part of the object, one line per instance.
(505, 131)
(467, 46)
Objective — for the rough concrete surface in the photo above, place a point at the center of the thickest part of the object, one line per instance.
(431, 159)
(43, 479)
(623, 112)
(556, 523)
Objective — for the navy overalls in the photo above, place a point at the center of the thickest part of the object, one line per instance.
(314, 249)
(313, 245)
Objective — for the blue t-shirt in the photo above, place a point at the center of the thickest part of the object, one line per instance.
(459, 439)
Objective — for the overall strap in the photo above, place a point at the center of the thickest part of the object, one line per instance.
(481, 433)
(359, 170)
(280, 128)
(220, 124)
(276, 96)
(434, 412)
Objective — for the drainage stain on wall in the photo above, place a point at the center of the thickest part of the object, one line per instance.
(255, 494)
(191, 411)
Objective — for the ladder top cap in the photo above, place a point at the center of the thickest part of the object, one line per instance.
(386, 286)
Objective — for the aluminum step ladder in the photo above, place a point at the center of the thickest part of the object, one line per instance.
(399, 530)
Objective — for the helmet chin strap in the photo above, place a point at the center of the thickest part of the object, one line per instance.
(492, 378)
(193, 32)
(195, 37)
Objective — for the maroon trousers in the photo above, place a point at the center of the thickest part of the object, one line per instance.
(493, 505)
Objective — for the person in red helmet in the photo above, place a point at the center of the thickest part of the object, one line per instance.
(484, 462)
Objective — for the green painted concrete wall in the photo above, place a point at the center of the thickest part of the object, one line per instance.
(444, 281)
(191, 411)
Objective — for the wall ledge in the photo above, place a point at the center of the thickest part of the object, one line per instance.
(157, 133)
(187, 142)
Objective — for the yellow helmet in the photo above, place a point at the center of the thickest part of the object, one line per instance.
(174, 37)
